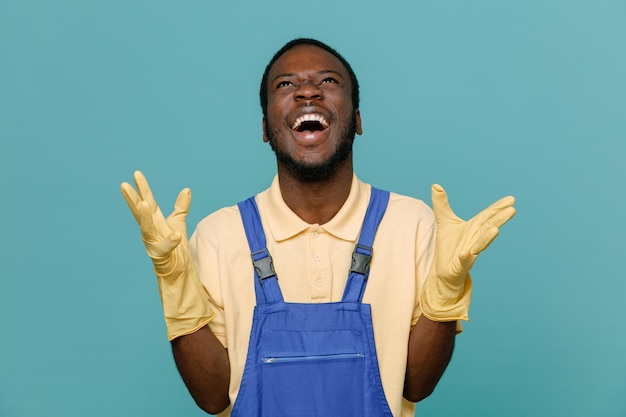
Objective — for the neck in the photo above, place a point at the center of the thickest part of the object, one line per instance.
(316, 202)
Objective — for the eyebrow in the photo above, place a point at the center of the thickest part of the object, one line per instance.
(293, 74)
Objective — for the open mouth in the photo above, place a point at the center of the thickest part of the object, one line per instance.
(310, 123)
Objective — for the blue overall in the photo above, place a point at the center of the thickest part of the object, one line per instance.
(311, 360)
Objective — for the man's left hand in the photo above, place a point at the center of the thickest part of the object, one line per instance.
(447, 289)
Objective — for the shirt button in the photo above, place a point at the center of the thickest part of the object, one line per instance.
(314, 235)
(319, 282)
(317, 257)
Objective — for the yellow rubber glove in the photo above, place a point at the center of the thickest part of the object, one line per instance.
(185, 303)
(448, 287)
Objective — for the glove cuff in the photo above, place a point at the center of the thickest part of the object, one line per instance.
(185, 302)
(440, 302)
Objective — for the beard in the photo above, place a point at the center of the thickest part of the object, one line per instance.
(312, 172)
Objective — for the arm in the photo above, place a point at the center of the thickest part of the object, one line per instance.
(201, 359)
(185, 305)
(430, 349)
(446, 293)
(203, 364)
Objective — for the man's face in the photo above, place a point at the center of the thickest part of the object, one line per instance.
(310, 121)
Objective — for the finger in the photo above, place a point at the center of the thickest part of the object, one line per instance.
(503, 216)
(487, 214)
(146, 223)
(484, 239)
(144, 190)
(146, 195)
(164, 247)
(441, 206)
(466, 260)
(132, 199)
(181, 207)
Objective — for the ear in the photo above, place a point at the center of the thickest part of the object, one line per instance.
(265, 138)
(357, 116)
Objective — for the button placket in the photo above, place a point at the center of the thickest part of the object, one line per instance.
(319, 285)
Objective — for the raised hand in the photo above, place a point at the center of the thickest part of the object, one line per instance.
(447, 290)
(185, 304)
(161, 236)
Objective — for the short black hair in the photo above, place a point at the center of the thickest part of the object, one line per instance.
(307, 41)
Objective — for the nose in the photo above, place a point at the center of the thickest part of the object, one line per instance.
(308, 91)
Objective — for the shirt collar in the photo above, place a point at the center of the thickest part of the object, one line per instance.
(284, 223)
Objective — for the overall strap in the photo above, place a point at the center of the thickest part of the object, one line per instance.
(362, 255)
(265, 280)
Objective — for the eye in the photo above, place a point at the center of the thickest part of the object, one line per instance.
(328, 80)
(283, 83)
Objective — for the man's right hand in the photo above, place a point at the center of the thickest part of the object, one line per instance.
(162, 237)
(185, 302)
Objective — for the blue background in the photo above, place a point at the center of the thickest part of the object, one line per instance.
(488, 98)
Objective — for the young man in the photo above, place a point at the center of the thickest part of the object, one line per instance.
(364, 329)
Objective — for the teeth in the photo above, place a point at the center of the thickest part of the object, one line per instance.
(310, 118)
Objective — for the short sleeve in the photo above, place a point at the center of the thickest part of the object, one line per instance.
(205, 259)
